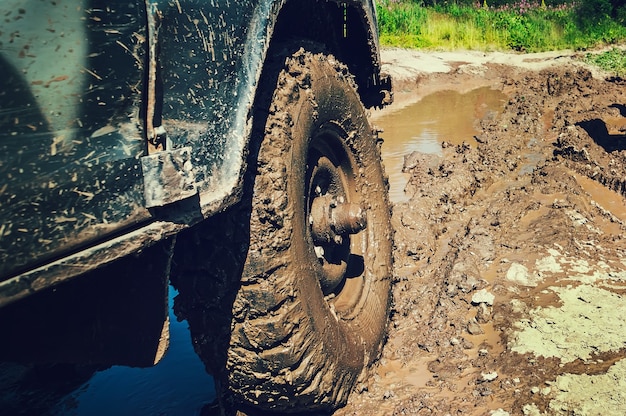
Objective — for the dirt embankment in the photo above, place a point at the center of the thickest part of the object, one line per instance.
(510, 260)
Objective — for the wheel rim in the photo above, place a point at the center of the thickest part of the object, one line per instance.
(335, 219)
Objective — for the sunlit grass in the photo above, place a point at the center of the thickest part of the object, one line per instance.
(520, 27)
(613, 61)
(440, 31)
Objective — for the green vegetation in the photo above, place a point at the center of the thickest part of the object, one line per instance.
(613, 61)
(502, 24)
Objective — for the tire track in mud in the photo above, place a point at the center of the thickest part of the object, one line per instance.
(514, 218)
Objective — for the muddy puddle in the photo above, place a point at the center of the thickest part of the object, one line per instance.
(443, 116)
(177, 385)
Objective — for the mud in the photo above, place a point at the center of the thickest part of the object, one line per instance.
(510, 249)
(419, 127)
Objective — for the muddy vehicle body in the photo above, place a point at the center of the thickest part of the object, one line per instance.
(222, 144)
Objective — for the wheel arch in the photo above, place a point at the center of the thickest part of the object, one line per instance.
(348, 29)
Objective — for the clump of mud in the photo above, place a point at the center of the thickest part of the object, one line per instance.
(510, 262)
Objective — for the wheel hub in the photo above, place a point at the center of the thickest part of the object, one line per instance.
(332, 218)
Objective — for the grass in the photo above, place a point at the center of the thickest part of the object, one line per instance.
(613, 61)
(521, 26)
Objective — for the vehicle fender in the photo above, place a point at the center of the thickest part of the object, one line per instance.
(208, 65)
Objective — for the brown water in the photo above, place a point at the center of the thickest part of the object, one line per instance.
(603, 196)
(442, 116)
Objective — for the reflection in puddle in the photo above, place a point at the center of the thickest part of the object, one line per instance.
(178, 384)
(442, 116)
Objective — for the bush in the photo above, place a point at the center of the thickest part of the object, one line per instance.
(593, 12)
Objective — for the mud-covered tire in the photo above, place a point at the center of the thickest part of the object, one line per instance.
(286, 307)
(312, 309)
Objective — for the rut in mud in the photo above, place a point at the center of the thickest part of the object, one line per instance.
(510, 260)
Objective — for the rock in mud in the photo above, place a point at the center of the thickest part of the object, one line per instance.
(483, 296)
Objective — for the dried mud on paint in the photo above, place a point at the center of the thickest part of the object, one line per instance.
(510, 259)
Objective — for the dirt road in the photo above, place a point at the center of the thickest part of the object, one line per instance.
(510, 259)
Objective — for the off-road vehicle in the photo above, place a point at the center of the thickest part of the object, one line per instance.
(222, 146)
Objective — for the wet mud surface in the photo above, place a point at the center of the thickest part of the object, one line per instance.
(510, 252)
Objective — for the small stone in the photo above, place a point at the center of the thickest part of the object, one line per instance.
(454, 341)
(499, 412)
(468, 284)
(531, 410)
(388, 394)
(467, 345)
(483, 315)
(482, 296)
(520, 275)
(474, 329)
(486, 392)
(489, 376)
(452, 290)
(535, 390)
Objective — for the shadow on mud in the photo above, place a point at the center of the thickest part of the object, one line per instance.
(599, 132)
